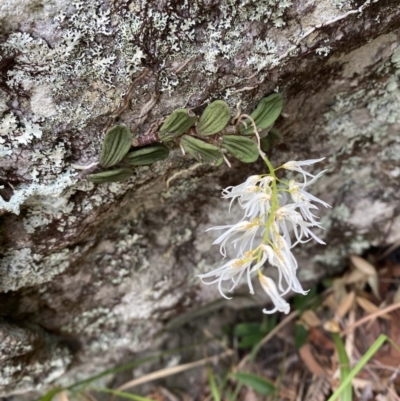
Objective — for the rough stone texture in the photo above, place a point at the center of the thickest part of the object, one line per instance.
(94, 271)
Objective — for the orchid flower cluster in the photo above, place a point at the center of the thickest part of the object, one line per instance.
(278, 215)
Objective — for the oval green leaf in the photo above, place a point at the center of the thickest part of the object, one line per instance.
(147, 155)
(116, 145)
(214, 119)
(116, 175)
(266, 113)
(243, 149)
(201, 151)
(176, 124)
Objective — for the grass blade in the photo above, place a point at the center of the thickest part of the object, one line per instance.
(257, 383)
(213, 385)
(361, 363)
(123, 394)
(347, 393)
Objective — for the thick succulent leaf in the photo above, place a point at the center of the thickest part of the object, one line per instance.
(270, 140)
(119, 174)
(147, 155)
(201, 151)
(116, 145)
(176, 124)
(267, 111)
(214, 119)
(243, 149)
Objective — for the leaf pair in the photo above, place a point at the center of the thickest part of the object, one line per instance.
(115, 148)
(265, 114)
(214, 119)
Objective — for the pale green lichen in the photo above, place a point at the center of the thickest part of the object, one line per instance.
(362, 119)
(100, 326)
(48, 196)
(323, 51)
(36, 374)
(343, 4)
(21, 267)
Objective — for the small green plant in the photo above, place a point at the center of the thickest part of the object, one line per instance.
(249, 334)
(208, 139)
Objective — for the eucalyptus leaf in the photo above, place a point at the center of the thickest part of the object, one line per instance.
(214, 119)
(176, 124)
(201, 151)
(272, 138)
(265, 114)
(147, 155)
(119, 174)
(243, 149)
(116, 145)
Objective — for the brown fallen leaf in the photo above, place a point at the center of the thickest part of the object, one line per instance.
(310, 318)
(363, 266)
(310, 362)
(320, 339)
(344, 306)
(369, 307)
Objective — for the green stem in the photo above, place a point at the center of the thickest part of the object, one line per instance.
(274, 200)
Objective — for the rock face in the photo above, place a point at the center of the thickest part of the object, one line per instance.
(88, 273)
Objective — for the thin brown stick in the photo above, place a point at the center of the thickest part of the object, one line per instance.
(269, 336)
(254, 127)
(367, 318)
(145, 109)
(159, 374)
(245, 88)
(181, 67)
(124, 105)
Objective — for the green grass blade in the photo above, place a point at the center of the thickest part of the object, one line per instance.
(123, 394)
(347, 393)
(236, 393)
(361, 363)
(257, 383)
(394, 345)
(213, 386)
